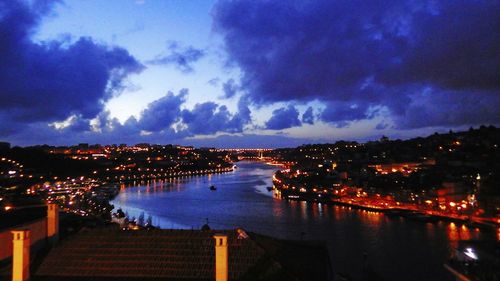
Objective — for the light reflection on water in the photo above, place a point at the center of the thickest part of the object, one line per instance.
(397, 249)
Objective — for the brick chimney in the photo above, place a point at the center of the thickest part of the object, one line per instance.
(221, 257)
(20, 255)
(52, 223)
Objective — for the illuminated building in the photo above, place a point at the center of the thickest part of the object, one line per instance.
(405, 168)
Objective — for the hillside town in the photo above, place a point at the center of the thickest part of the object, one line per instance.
(454, 174)
(83, 178)
(450, 177)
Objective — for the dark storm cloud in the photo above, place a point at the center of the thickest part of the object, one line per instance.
(210, 118)
(55, 91)
(206, 118)
(79, 124)
(308, 116)
(305, 50)
(243, 116)
(340, 113)
(162, 121)
(230, 88)
(284, 118)
(434, 108)
(182, 57)
(359, 55)
(53, 80)
(162, 113)
(454, 46)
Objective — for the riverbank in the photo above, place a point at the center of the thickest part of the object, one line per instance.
(160, 176)
(391, 245)
(410, 213)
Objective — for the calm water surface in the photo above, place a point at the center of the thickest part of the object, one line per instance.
(397, 249)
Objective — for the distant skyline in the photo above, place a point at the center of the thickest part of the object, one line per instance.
(245, 73)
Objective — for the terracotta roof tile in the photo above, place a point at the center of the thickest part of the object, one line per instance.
(165, 254)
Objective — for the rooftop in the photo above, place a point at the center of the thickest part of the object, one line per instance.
(113, 254)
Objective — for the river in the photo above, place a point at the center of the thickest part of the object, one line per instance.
(396, 248)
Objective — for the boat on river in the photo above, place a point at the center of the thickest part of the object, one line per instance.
(213, 188)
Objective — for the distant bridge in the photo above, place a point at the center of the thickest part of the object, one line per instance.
(245, 149)
(249, 153)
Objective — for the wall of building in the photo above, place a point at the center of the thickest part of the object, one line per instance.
(38, 234)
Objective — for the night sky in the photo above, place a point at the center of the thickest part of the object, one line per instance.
(245, 73)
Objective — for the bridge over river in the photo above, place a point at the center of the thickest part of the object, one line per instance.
(262, 154)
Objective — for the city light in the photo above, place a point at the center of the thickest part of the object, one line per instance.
(470, 253)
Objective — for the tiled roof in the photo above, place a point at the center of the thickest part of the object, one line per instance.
(146, 254)
(185, 255)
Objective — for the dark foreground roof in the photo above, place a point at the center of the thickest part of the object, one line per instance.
(113, 254)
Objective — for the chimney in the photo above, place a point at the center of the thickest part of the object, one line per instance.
(221, 257)
(21, 255)
(52, 222)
